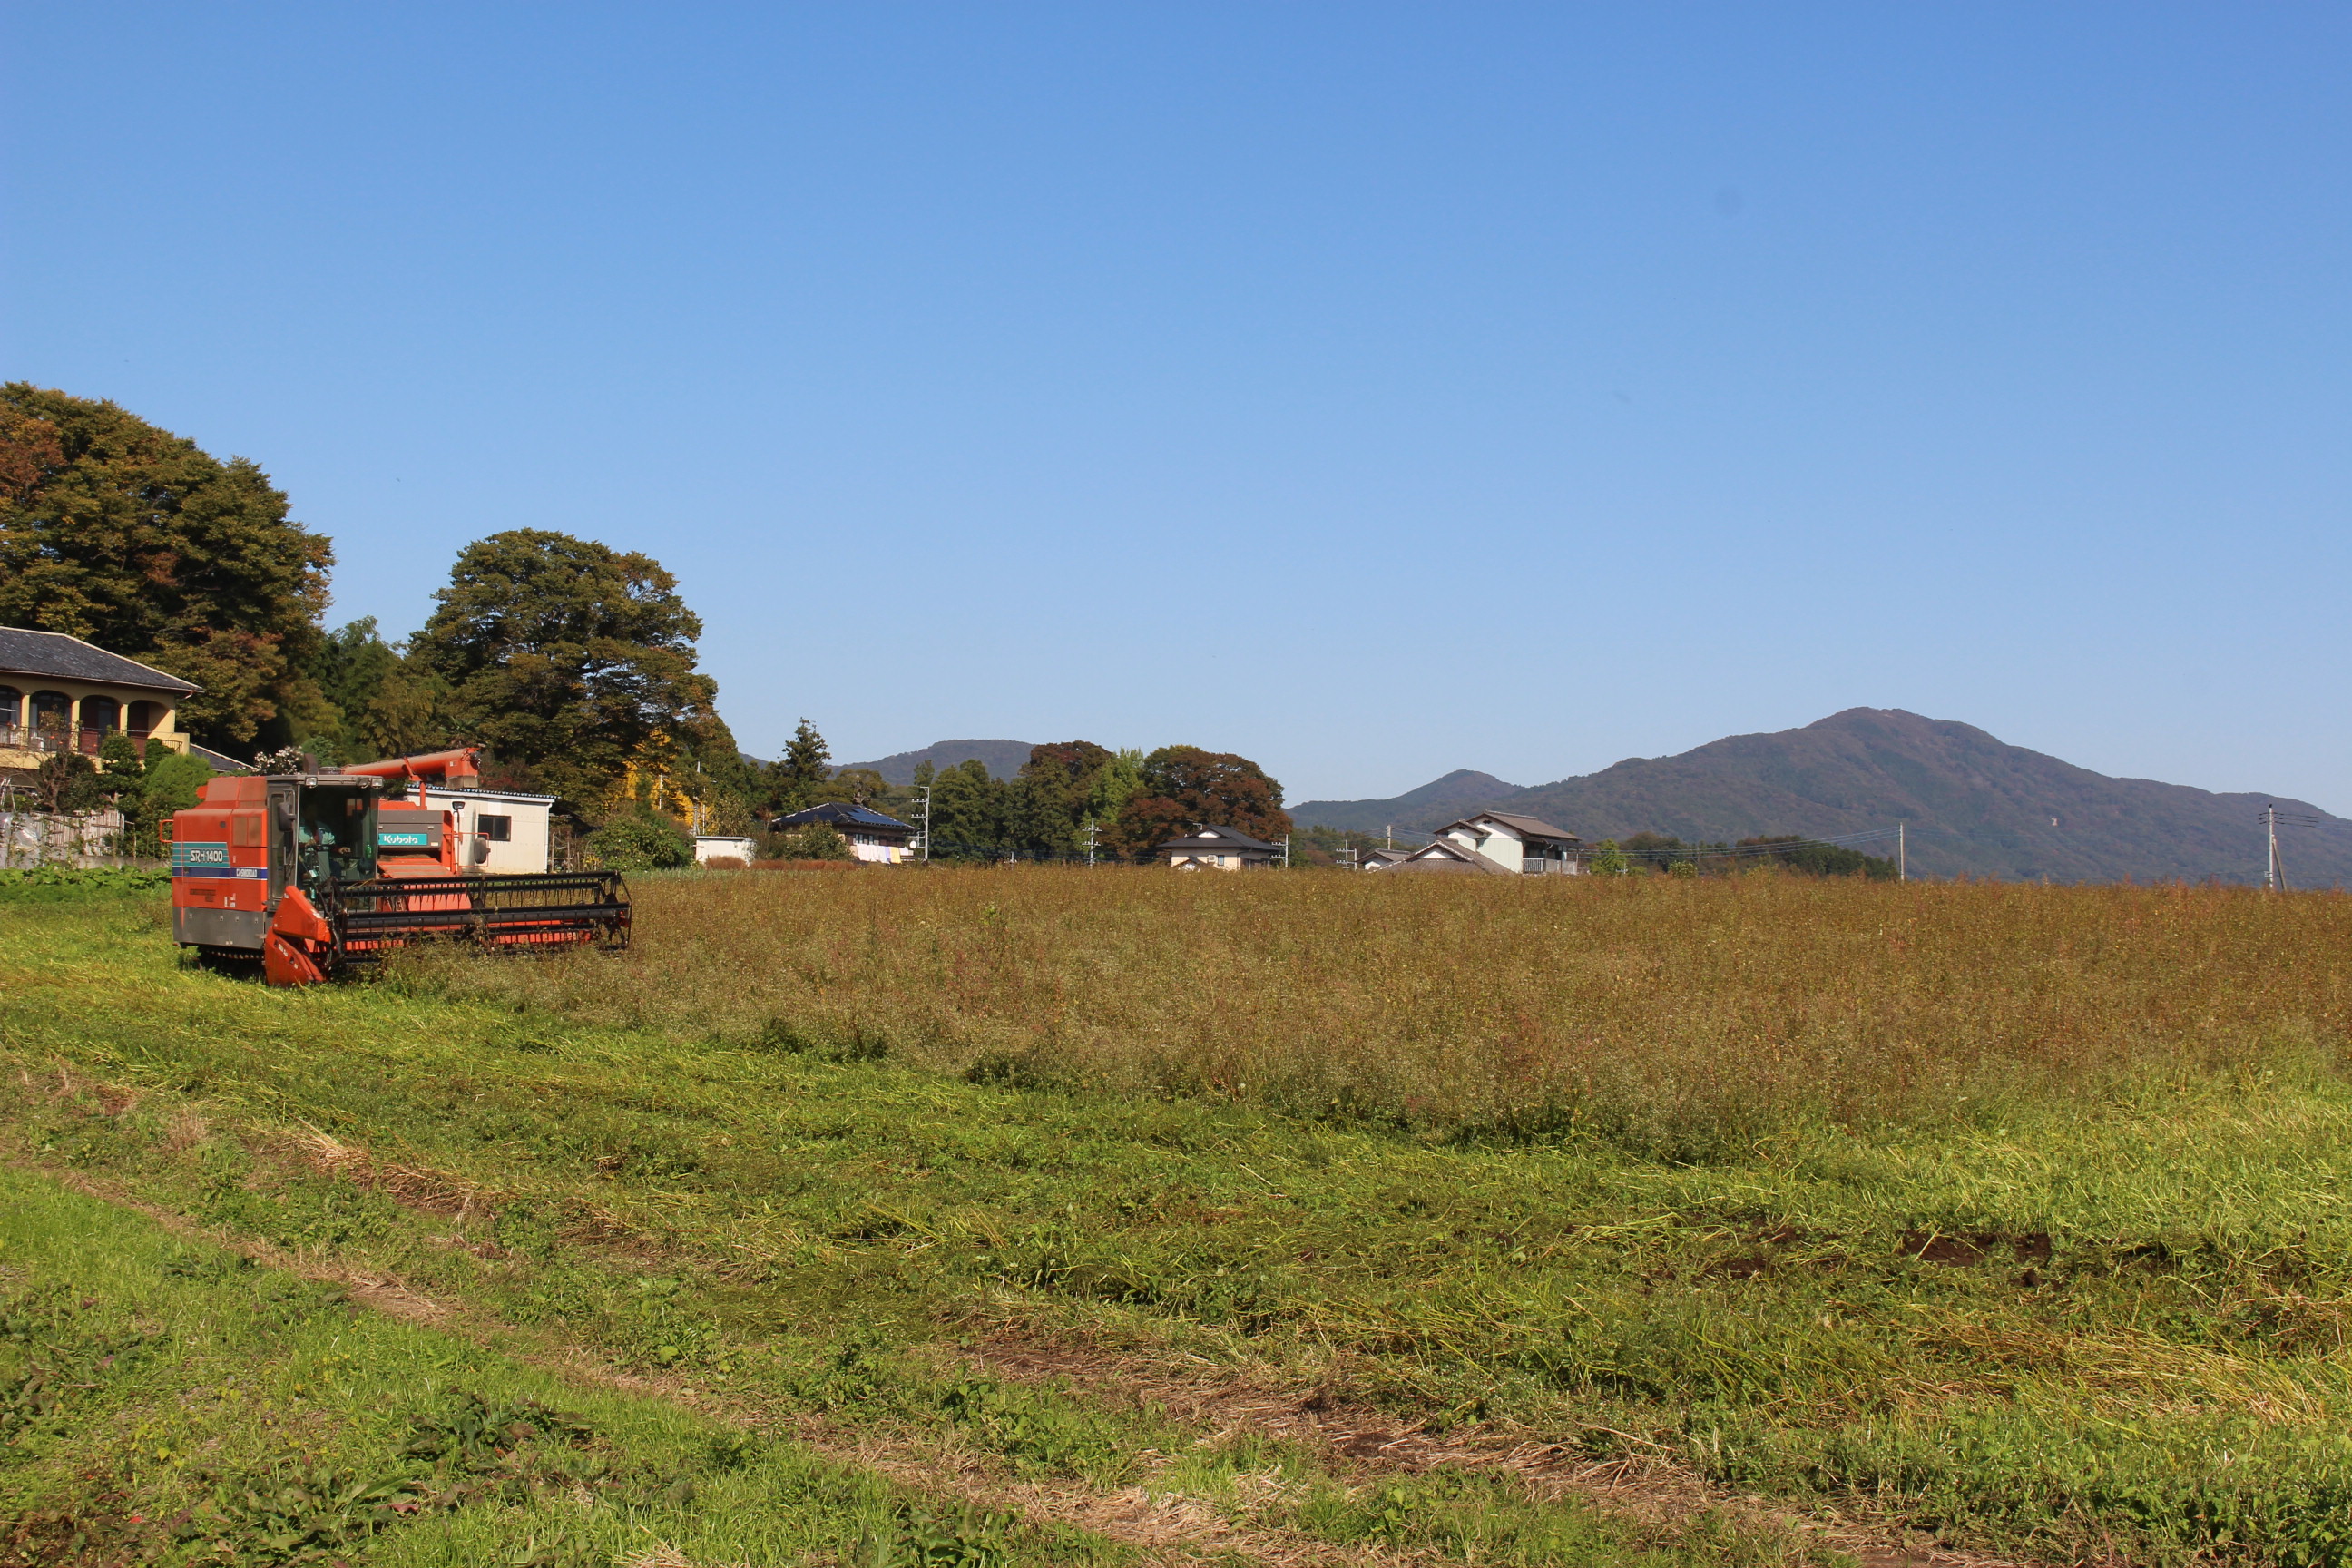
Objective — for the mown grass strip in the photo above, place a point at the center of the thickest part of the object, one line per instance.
(164, 1400)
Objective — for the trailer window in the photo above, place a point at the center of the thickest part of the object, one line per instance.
(497, 829)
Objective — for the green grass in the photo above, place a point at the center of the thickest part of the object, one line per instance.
(164, 1400)
(2099, 1324)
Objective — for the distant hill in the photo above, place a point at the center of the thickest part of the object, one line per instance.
(1002, 758)
(1438, 801)
(1975, 806)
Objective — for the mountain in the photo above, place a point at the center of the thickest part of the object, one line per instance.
(1975, 806)
(1002, 758)
(1440, 800)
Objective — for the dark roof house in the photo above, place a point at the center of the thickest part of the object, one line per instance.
(872, 835)
(1220, 849)
(55, 655)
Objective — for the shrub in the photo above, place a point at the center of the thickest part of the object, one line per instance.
(640, 841)
(810, 841)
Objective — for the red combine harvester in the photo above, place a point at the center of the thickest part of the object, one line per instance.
(317, 872)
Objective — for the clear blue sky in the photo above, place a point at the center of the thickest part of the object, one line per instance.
(1373, 391)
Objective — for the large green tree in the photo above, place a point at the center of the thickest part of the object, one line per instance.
(572, 661)
(1183, 788)
(1048, 802)
(353, 668)
(967, 813)
(138, 541)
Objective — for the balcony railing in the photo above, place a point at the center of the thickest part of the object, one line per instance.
(1535, 867)
(46, 739)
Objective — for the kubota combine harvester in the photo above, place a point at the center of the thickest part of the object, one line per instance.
(313, 873)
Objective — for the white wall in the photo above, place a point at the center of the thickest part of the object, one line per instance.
(1495, 842)
(529, 817)
(1503, 847)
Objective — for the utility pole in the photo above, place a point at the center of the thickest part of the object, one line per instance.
(2274, 873)
(1285, 851)
(1391, 832)
(926, 824)
(1902, 855)
(1090, 840)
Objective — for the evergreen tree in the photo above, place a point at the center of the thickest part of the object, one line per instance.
(572, 661)
(1047, 803)
(967, 813)
(350, 666)
(407, 713)
(795, 779)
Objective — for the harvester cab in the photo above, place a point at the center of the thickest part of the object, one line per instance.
(314, 873)
(329, 828)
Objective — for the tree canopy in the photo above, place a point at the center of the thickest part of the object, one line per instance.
(1135, 803)
(1183, 788)
(792, 782)
(572, 661)
(122, 533)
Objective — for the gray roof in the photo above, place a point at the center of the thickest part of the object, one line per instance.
(220, 762)
(1526, 826)
(1445, 854)
(61, 658)
(843, 814)
(1220, 838)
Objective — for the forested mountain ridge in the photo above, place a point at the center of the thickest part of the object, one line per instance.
(1440, 800)
(1003, 759)
(1974, 806)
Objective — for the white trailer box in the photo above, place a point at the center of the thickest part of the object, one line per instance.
(514, 826)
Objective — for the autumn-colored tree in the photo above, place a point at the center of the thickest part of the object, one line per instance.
(1184, 787)
(570, 660)
(138, 541)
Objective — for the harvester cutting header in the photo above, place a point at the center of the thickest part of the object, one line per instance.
(314, 873)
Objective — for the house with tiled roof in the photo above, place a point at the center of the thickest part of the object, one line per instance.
(885, 840)
(58, 693)
(1220, 849)
(1495, 843)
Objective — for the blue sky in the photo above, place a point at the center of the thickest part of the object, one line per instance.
(1371, 390)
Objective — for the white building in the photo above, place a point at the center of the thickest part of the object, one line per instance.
(1496, 842)
(709, 847)
(516, 828)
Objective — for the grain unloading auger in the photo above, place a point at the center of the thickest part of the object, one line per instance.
(315, 873)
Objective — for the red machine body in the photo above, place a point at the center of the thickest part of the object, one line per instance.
(313, 873)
